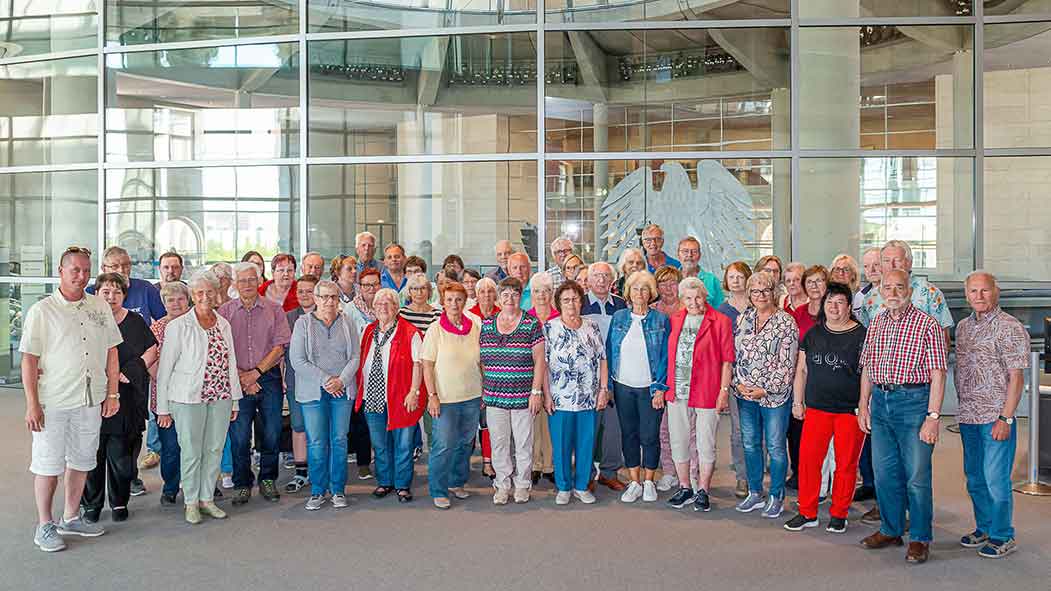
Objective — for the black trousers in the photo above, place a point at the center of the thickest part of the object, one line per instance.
(358, 439)
(114, 470)
(795, 435)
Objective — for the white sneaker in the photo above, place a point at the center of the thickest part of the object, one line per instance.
(649, 491)
(501, 496)
(521, 495)
(228, 481)
(562, 498)
(632, 493)
(584, 496)
(667, 482)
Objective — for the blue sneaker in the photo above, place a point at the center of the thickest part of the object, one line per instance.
(975, 539)
(997, 549)
(774, 507)
(750, 503)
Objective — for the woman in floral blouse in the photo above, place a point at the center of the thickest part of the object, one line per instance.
(766, 344)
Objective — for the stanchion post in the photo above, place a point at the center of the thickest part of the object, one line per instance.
(1032, 484)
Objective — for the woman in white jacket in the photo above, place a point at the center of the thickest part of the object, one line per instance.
(197, 384)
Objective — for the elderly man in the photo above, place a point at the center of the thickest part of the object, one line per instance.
(902, 386)
(653, 246)
(393, 273)
(521, 268)
(261, 334)
(171, 267)
(599, 307)
(992, 352)
(71, 338)
(872, 264)
(313, 264)
(870, 260)
(689, 252)
(504, 250)
(561, 248)
(365, 247)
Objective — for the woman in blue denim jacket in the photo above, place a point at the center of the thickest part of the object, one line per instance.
(637, 350)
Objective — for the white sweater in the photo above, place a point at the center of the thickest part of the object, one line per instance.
(180, 371)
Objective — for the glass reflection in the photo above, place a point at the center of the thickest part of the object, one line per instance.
(32, 27)
(1016, 230)
(135, 22)
(15, 299)
(365, 15)
(598, 11)
(1017, 95)
(885, 8)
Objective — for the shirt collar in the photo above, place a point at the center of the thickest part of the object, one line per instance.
(992, 314)
(61, 299)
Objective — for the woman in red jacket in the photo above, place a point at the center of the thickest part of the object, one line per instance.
(391, 390)
(282, 288)
(700, 359)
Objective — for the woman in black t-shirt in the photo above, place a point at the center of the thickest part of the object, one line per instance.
(828, 378)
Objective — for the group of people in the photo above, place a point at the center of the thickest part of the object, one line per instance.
(573, 373)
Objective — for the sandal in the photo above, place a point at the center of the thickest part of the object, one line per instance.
(487, 469)
(381, 491)
(404, 495)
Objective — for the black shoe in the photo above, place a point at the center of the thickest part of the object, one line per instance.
(800, 521)
(536, 476)
(550, 476)
(836, 525)
(793, 482)
(864, 493)
(404, 495)
(381, 491)
(120, 514)
(137, 488)
(167, 500)
(701, 502)
(268, 491)
(217, 494)
(679, 500)
(416, 453)
(242, 495)
(90, 515)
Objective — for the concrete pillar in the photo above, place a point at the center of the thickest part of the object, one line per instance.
(781, 137)
(601, 183)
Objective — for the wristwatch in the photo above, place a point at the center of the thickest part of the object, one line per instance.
(934, 415)
(1008, 420)
(537, 392)
(115, 396)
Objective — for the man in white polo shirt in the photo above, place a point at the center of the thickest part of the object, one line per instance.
(70, 374)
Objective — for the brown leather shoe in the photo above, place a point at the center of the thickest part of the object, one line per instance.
(878, 540)
(612, 483)
(872, 517)
(918, 552)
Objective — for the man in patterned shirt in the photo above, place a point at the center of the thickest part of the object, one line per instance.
(561, 248)
(992, 352)
(902, 386)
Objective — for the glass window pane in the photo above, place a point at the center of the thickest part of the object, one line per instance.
(15, 299)
(1016, 232)
(1017, 98)
(850, 204)
(49, 112)
(882, 87)
(206, 214)
(1017, 7)
(32, 27)
(423, 95)
(667, 90)
(604, 11)
(133, 22)
(43, 213)
(885, 8)
(362, 15)
(432, 209)
(216, 103)
(738, 208)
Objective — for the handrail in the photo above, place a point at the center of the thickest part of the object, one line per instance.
(1032, 485)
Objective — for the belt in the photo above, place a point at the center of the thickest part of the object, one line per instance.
(901, 386)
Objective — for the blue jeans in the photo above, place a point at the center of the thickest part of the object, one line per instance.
(170, 462)
(392, 451)
(573, 434)
(267, 405)
(327, 422)
(759, 424)
(640, 426)
(226, 466)
(902, 462)
(868, 476)
(987, 464)
(295, 412)
(453, 438)
(153, 438)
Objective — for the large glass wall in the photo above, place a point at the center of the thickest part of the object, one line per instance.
(218, 126)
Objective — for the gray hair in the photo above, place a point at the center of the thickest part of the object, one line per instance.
(326, 284)
(365, 234)
(312, 253)
(115, 251)
(207, 277)
(898, 244)
(766, 279)
(421, 280)
(239, 268)
(981, 273)
(485, 283)
(596, 264)
(624, 258)
(175, 288)
(223, 270)
(541, 280)
(874, 249)
(795, 266)
(560, 239)
(690, 284)
(387, 294)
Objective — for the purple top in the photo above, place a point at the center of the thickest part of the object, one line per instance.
(256, 331)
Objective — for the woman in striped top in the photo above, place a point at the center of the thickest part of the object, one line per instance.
(419, 312)
(512, 357)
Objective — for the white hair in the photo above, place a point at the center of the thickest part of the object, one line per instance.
(313, 253)
(247, 266)
(981, 273)
(898, 244)
(223, 270)
(365, 234)
(387, 294)
(539, 281)
(485, 282)
(327, 284)
(206, 277)
(420, 280)
(690, 284)
(596, 264)
(560, 239)
(624, 258)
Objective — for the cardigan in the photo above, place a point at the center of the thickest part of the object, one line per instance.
(399, 375)
(713, 346)
(180, 371)
(309, 376)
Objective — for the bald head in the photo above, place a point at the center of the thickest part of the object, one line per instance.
(519, 267)
(503, 250)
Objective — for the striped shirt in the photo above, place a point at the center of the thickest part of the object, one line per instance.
(507, 362)
(905, 349)
(421, 320)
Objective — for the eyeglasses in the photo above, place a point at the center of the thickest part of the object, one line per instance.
(815, 282)
(653, 239)
(570, 300)
(369, 285)
(841, 269)
(327, 297)
(761, 292)
(562, 251)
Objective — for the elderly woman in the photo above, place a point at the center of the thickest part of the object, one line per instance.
(485, 307)
(116, 464)
(300, 463)
(324, 354)
(224, 272)
(419, 312)
(345, 273)
(668, 303)
(700, 361)
(389, 381)
(815, 283)
(197, 385)
(451, 363)
(764, 366)
(735, 283)
(844, 269)
(542, 287)
(795, 293)
(637, 350)
(176, 298)
(471, 277)
(827, 394)
(631, 260)
(575, 389)
(281, 290)
(572, 266)
(512, 356)
(772, 264)
(361, 309)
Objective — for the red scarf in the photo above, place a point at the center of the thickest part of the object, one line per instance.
(449, 327)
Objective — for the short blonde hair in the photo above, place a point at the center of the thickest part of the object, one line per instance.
(541, 280)
(644, 277)
(387, 293)
(420, 280)
(485, 283)
(668, 272)
(855, 276)
(761, 281)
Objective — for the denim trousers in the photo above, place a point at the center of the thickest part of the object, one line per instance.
(267, 405)
(572, 436)
(154, 442)
(761, 424)
(640, 426)
(327, 422)
(987, 465)
(392, 451)
(902, 462)
(169, 459)
(453, 437)
(227, 464)
(868, 475)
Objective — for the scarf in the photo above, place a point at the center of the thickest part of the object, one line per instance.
(449, 327)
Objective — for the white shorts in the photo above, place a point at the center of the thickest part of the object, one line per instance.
(706, 423)
(70, 438)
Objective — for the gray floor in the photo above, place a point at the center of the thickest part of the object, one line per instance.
(379, 544)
